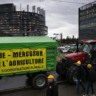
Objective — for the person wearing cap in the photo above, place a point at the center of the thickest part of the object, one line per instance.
(79, 72)
(52, 88)
(90, 80)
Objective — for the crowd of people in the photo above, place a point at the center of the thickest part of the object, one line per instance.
(89, 78)
(88, 86)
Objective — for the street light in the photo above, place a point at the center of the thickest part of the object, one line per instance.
(56, 34)
(60, 36)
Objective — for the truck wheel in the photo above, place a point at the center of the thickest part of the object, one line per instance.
(39, 81)
(71, 75)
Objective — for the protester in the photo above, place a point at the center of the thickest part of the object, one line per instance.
(52, 88)
(79, 72)
(90, 80)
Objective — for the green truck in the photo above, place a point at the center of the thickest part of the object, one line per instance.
(30, 56)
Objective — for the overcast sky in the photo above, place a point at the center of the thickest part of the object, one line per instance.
(61, 17)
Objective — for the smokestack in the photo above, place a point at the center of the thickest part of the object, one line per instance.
(27, 8)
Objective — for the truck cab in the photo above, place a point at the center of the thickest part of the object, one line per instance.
(89, 47)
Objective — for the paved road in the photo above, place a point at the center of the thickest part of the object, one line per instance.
(64, 90)
(23, 89)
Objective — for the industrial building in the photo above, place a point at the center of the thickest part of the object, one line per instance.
(87, 21)
(18, 23)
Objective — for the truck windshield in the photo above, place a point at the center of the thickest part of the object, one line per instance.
(87, 48)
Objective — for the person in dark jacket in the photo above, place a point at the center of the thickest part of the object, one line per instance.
(52, 88)
(79, 72)
(90, 80)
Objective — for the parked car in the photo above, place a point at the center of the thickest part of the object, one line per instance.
(63, 49)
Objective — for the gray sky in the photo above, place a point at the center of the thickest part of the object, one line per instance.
(61, 17)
